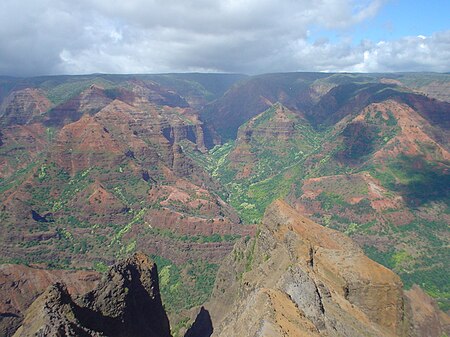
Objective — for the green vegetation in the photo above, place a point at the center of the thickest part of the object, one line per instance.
(62, 92)
(329, 200)
(428, 266)
(382, 257)
(192, 238)
(100, 267)
(183, 323)
(187, 285)
(417, 179)
(17, 178)
(275, 164)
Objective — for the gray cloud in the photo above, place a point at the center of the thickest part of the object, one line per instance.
(250, 36)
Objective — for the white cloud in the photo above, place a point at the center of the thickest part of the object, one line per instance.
(251, 36)
(414, 53)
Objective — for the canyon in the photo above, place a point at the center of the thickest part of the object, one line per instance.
(183, 167)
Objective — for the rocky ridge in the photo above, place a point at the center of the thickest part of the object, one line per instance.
(297, 278)
(126, 303)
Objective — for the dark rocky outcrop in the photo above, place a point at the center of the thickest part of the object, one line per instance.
(126, 303)
(21, 285)
(202, 326)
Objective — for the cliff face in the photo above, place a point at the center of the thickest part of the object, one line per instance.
(21, 141)
(21, 106)
(126, 303)
(275, 134)
(88, 101)
(297, 278)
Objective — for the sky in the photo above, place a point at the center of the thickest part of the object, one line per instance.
(50, 37)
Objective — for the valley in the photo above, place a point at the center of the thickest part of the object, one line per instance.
(182, 166)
